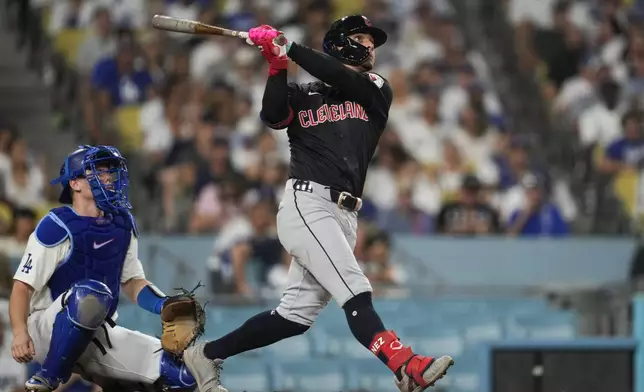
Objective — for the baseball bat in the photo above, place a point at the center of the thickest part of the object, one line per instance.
(168, 23)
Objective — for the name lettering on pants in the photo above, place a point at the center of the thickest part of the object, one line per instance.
(376, 345)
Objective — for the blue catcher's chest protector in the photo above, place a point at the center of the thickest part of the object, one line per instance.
(98, 248)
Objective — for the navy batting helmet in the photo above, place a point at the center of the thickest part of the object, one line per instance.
(338, 44)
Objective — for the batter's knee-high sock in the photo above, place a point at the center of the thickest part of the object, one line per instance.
(259, 331)
(368, 329)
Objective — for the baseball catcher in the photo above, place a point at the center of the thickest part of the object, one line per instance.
(66, 289)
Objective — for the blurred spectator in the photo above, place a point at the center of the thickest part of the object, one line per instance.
(512, 161)
(375, 256)
(118, 80)
(406, 102)
(456, 165)
(381, 184)
(70, 14)
(24, 223)
(600, 124)
(456, 97)
(154, 56)
(161, 120)
(421, 135)
(475, 138)
(539, 216)
(99, 43)
(470, 214)
(7, 136)
(405, 218)
(216, 205)
(559, 45)
(24, 181)
(6, 275)
(208, 60)
(244, 239)
(218, 189)
(626, 152)
(577, 93)
(127, 14)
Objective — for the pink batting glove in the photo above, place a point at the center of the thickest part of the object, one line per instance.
(262, 34)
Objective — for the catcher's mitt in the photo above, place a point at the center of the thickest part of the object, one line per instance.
(183, 320)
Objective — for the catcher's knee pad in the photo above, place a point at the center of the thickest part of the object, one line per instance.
(174, 375)
(88, 303)
(86, 307)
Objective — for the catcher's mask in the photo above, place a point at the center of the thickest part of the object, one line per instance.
(337, 43)
(106, 172)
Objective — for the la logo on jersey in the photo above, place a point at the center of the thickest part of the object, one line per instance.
(27, 266)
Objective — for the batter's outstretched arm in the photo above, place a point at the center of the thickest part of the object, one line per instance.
(276, 110)
(331, 71)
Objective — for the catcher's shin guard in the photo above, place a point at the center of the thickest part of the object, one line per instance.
(414, 373)
(175, 375)
(86, 306)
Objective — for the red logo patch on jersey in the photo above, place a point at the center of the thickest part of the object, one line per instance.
(377, 80)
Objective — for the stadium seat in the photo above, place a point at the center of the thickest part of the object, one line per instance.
(550, 325)
(296, 347)
(312, 375)
(505, 307)
(625, 188)
(482, 329)
(370, 375)
(463, 376)
(443, 341)
(68, 42)
(246, 374)
(128, 121)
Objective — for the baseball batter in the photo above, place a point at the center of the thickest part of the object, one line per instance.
(66, 289)
(333, 127)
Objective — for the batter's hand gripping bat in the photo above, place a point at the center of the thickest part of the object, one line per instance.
(168, 23)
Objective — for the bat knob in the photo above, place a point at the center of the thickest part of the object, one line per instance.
(281, 40)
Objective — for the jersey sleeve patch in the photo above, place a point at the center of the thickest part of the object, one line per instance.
(51, 231)
(376, 79)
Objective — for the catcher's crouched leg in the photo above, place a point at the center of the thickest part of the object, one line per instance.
(174, 375)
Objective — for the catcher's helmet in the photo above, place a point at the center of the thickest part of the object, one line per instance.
(338, 44)
(83, 163)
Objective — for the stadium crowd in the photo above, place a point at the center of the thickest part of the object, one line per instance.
(185, 110)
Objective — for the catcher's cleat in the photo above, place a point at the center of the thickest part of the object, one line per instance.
(39, 384)
(420, 373)
(205, 371)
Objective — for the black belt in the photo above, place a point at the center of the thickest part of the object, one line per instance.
(345, 200)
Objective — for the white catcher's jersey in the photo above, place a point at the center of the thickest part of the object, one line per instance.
(39, 263)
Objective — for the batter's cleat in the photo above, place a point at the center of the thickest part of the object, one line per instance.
(420, 373)
(38, 383)
(205, 371)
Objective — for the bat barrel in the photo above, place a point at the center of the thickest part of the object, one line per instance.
(173, 24)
